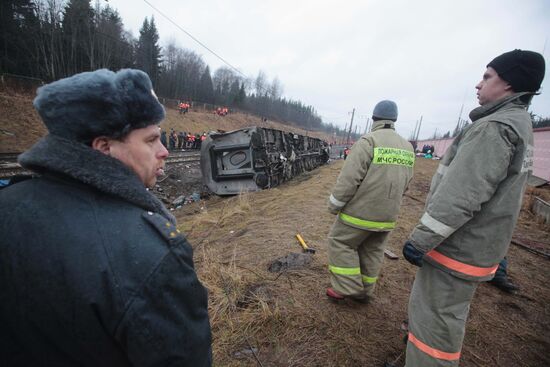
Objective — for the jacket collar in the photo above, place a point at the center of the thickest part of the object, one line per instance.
(60, 156)
(492, 107)
(381, 124)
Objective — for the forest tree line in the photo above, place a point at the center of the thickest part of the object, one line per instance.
(53, 39)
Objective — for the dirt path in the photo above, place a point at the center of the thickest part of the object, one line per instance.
(284, 319)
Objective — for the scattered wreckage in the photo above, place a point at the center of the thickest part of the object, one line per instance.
(257, 158)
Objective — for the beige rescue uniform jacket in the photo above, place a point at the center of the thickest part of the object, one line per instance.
(476, 194)
(375, 175)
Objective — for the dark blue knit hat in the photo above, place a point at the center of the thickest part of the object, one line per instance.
(523, 70)
(98, 103)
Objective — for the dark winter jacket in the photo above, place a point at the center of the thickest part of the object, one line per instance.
(93, 271)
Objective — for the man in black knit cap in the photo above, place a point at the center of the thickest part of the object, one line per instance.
(93, 270)
(472, 208)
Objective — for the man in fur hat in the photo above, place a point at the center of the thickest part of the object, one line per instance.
(93, 270)
(472, 208)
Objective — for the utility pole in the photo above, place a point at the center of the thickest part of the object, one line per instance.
(350, 125)
(419, 126)
(413, 136)
(460, 114)
(345, 129)
(367, 126)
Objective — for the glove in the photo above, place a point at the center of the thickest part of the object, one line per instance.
(412, 254)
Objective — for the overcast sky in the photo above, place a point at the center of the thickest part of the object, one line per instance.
(427, 55)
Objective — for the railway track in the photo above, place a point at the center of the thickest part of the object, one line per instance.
(9, 166)
(183, 157)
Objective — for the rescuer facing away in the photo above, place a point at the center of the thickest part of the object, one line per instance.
(472, 208)
(366, 198)
(93, 271)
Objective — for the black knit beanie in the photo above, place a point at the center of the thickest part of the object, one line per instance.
(523, 70)
(97, 103)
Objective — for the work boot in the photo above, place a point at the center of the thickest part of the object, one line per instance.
(504, 284)
(335, 296)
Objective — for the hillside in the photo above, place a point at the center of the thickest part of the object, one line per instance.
(20, 125)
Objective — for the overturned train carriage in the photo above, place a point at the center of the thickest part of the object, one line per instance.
(257, 158)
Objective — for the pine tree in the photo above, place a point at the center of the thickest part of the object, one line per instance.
(78, 28)
(233, 96)
(206, 88)
(18, 26)
(148, 57)
(241, 98)
(114, 50)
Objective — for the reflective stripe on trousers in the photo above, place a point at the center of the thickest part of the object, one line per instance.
(351, 271)
(366, 224)
(433, 352)
(344, 271)
(471, 270)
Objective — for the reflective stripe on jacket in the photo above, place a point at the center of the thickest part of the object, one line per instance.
(373, 179)
(476, 193)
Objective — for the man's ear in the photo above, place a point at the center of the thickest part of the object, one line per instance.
(102, 144)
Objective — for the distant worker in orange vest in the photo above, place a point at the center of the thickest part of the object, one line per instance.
(346, 152)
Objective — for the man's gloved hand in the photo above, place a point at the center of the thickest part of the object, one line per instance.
(412, 254)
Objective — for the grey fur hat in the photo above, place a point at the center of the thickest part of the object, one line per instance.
(98, 103)
(386, 110)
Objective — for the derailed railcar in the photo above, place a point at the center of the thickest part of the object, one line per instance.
(257, 158)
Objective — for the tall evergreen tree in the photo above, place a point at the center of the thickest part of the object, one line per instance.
(78, 34)
(114, 49)
(233, 96)
(148, 51)
(206, 88)
(18, 25)
(241, 97)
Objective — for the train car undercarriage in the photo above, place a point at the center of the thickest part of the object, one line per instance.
(257, 158)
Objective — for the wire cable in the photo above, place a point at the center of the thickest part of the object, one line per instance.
(195, 39)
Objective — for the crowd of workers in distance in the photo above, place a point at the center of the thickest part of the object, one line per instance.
(94, 271)
(221, 111)
(181, 140)
(183, 108)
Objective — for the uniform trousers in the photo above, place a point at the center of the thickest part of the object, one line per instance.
(355, 258)
(438, 309)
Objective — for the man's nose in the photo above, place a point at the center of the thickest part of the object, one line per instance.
(163, 153)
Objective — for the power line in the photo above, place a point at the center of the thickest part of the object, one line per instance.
(195, 39)
(265, 89)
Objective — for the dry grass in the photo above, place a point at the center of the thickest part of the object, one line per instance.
(285, 318)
